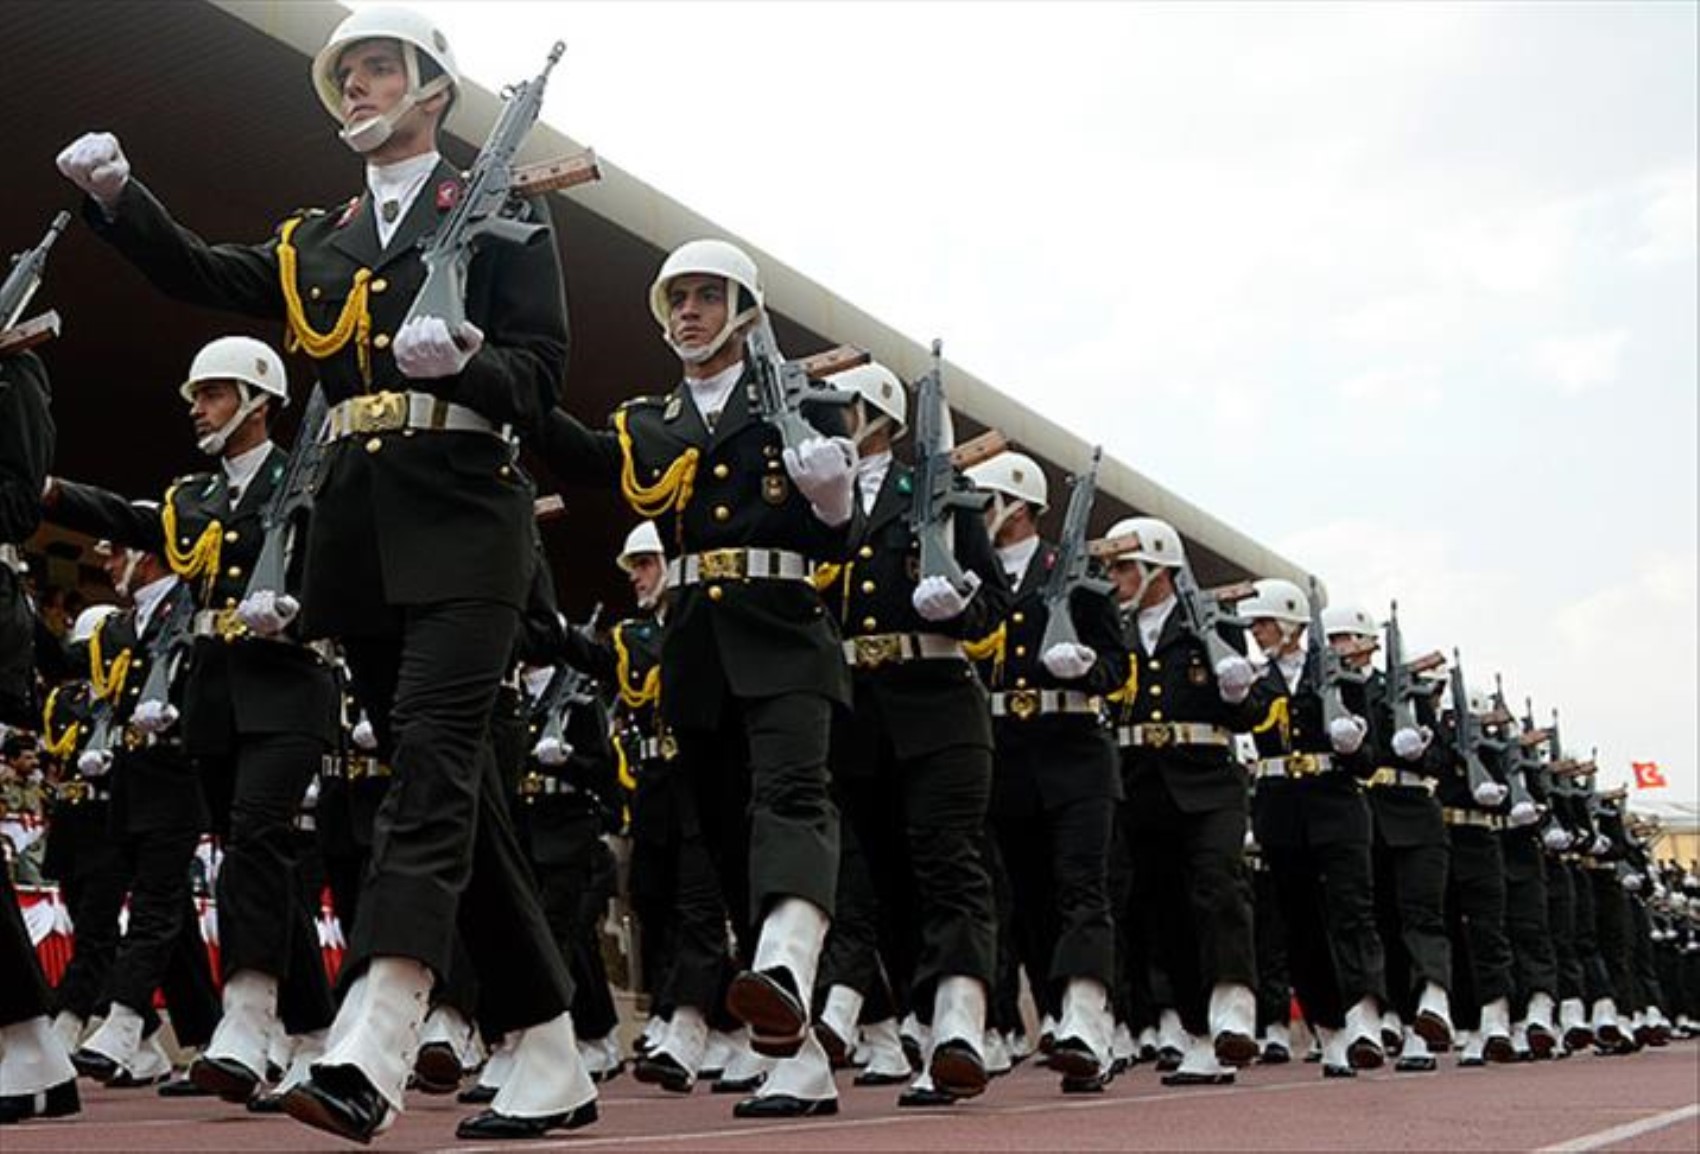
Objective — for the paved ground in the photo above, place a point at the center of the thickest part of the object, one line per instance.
(1647, 1101)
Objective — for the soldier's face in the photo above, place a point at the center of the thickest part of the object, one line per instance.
(645, 576)
(697, 309)
(1346, 645)
(373, 78)
(214, 404)
(1267, 633)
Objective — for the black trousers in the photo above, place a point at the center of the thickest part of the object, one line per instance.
(1475, 917)
(1327, 897)
(681, 905)
(1269, 940)
(1611, 932)
(444, 854)
(575, 873)
(159, 901)
(1132, 995)
(760, 786)
(1649, 989)
(254, 795)
(1534, 966)
(1410, 914)
(1003, 1011)
(93, 889)
(1058, 861)
(1561, 929)
(1596, 978)
(190, 993)
(23, 989)
(1191, 892)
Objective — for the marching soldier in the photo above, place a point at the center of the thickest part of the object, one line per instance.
(1534, 963)
(1055, 784)
(1186, 801)
(751, 668)
(255, 713)
(418, 452)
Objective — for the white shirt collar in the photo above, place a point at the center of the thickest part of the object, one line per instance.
(147, 599)
(241, 469)
(401, 183)
(1017, 557)
(711, 393)
(537, 680)
(871, 473)
(1292, 667)
(1152, 619)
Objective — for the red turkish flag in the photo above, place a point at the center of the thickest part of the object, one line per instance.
(1648, 775)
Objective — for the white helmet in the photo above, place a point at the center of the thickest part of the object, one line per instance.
(644, 538)
(1481, 702)
(708, 258)
(89, 620)
(1278, 599)
(879, 387)
(1014, 475)
(416, 34)
(252, 365)
(1155, 542)
(1351, 620)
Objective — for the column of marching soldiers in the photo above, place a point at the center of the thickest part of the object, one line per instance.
(883, 755)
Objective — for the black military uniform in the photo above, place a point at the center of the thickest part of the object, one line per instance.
(427, 630)
(1055, 784)
(1534, 964)
(1554, 793)
(1187, 813)
(1312, 824)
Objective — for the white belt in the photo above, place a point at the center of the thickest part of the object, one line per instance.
(11, 558)
(1388, 776)
(654, 749)
(739, 565)
(1473, 817)
(1025, 703)
(1160, 735)
(391, 412)
(1295, 765)
(872, 650)
(306, 823)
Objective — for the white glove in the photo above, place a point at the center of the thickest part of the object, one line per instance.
(1410, 744)
(94, 762)
(424, 349)
(1556, 838)
(1068, 660)
(1601, 845)
(936, 599)
(364, 735)
(1522, 814)
(96, 164)
(268, 613)
(1347, 733)
(824, 468)
(552, 751)
(154, 716)
(1489, 794)
(1234, 679)
(1632, 883)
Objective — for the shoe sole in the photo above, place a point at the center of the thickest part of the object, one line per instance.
(1432, 1030)
(1415, 1066)
(1363, 1055)
(777, 1021)
(1236, 1049)
(1499, 1051)
(956, 1073)
(825, 1108)
(667, 1080)
(438, 1070)
(1541, 1043)
(1072, 1063)
(310, 1111)
(228, 1086)
(1180, 1079)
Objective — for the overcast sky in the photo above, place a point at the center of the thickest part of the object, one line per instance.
(1407, 292)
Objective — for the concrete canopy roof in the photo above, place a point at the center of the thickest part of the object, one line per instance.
(214, 107)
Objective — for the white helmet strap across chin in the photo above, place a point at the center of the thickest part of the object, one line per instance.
(697, 354)
(212, 444)
(1003, 508)
(869, 426)
(127, 573)
(374, 131)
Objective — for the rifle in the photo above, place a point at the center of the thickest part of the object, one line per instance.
(483, 207)
(28, 267)
(170, 645)
(1471, 741)
(1524, 809)
(1325, 667)
(292, 497)
(569, 687)
(1071, 570)
(1402, 689)
(781, 386)
(1202, 613)
(938, 492)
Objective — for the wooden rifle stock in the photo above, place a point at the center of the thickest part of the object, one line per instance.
(982, 448)
(1231, 594)
(834, 360)
(554, 175)
(549, 507)
(1534, 737)
(1426, 663)
(28, 334)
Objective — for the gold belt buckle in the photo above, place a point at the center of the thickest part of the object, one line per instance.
(377, 412)
(228, 625)
(1158, 735)
(1382, 776)
(358, 767)
(1023, 703)
(73, 791)
(722, 565)
(1302, 765)
(875, 650)
(531, 785)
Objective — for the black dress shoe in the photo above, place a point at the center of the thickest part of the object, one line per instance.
(920, 1097)
(1275, 1054)
(1235, 1049)
(870, 1078)
(837, 1049)
(785, 1106)
(479, 1095)
(226, 1077)
(1073, 1058)
(490, 1124)
(1471, 1063)
(767, 1002)
(1330, 1070)
(1092, 1085)
(1168, 1058)
(659, 1068)
(1432, 1028)
(1415, 1064)
(92, 1064)
(182, 1088)
(124, 1080)
(266, 1102)
(1541, 1042)
(1365, 1054)
(957, 1070)
(1499, 1050)
(738, 1085)
(339, 1100)
(54, 1102)
(1191, 1078)
(911, 1052)
(436, 1069)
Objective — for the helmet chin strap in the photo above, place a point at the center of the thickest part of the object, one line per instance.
(127, 574)
(212, 444)
(374, 131)
(697, 354)
(1002, 510)
(869, 427)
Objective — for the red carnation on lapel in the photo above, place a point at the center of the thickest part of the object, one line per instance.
(448, 195)
(348, 211)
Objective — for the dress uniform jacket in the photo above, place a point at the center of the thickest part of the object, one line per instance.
(1404, 815)
(383, 511)
(710, 490)
(26, 454)
(244, 685)
(1321, 808)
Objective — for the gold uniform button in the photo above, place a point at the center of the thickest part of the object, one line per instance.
(504, 470)
(715, 592)
(722, 471)
(231, 536)
(1021, 651)
(381, 341)
(374, 445)
(380, 285)
(868, 586)
(864, 552)
(1021, 683)
(1017, 617)
(1156, 715)
(1153, 664)
(315, 292)
(869, 624)
(722, 513)
(183, 542)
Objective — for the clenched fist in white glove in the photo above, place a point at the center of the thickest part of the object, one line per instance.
(364, 735)
(268, 613)
(1068, 660)
(1557, 838)
(936, 599)
(1234, 679)
(1346, 734)
(824, 470)
(425, 349)
(1489, 794)
(1633, 883)
(1522, 814)
(94, 762)
(95, 163)
(1601, 845)
(552, 751)
(1410, 744)
(154, 716)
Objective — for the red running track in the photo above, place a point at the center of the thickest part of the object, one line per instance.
(1645, 1101)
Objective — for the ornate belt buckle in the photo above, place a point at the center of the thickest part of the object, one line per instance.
(377, 412)
(1302, 765)
(721, 565)
(1158, 735)
(531, 785)
(228, 625)
(669, 747)
(875, 650)
(1023, 703)
(358, 767)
